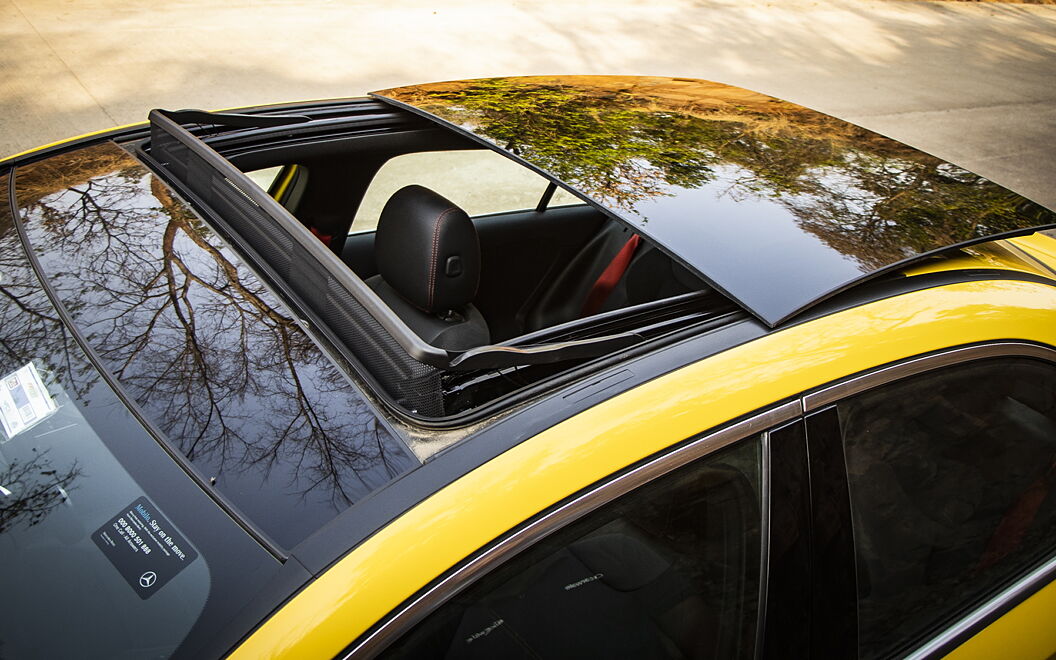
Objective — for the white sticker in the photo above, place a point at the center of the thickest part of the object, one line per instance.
(24, 401)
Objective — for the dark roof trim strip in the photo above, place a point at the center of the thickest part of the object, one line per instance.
(779, 206)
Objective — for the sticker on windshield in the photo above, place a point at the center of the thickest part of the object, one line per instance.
(144, 547)
(24, 401)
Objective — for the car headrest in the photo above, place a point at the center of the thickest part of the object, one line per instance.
(427, 250)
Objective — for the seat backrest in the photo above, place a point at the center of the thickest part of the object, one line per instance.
(428, 261)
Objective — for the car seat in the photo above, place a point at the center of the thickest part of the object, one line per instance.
(428, 261)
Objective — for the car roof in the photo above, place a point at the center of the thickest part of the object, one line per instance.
(793, 210)
(776, 205)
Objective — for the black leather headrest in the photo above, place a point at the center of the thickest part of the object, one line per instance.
(427, 250)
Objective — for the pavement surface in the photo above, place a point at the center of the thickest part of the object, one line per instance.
(972, 83)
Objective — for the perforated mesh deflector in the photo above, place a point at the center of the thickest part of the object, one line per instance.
(281, 245)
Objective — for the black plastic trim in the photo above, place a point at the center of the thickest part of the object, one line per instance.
(788, 617)
(290, 579)
(882, 289)
(234, 120)
(408, 340)
(141, 131)
(834, 598)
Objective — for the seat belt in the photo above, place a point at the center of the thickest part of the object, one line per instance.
(325, 238)
(609, 277)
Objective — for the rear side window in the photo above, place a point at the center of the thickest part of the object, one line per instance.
(670, 570)
(951, 477)
(480, 181)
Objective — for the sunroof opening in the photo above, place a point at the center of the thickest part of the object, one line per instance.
(446, 314)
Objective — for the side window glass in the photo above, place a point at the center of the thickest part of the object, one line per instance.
(564, 198)
(951, 478)
(265, 177)
(670, 570)
(285, 183)
(480, 181)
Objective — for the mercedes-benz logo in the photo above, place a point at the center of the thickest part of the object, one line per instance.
(148, 579)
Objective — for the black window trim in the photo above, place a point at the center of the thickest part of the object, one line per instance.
(1026, 586)
(785, 598)
(412, 612)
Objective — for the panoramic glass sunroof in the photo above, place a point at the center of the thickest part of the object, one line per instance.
(777, 205)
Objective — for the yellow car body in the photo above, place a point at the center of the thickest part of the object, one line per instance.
(982, 297)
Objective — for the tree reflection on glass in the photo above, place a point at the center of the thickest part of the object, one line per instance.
(32, 489)
(29, 327)
(193, 335)
(626, 141)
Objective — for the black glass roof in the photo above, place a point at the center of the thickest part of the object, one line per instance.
(777, 205)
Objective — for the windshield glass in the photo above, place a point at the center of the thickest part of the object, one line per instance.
(109, 549)
(213, 358)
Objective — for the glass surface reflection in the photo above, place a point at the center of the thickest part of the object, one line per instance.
(775, 203)
(202, 345)
(31, 332)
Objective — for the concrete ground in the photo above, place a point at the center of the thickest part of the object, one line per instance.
(972, 83)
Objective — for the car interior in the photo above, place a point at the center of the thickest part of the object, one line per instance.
(503, 299)
(501, 275)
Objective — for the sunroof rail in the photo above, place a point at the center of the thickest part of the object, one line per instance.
(232, 119)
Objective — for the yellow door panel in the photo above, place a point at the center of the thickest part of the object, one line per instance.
(1027, 631)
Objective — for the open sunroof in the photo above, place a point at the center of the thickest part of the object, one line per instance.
(776, 205)
(422, 379)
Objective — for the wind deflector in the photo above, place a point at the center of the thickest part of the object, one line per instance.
(774, 204)
(405, 366)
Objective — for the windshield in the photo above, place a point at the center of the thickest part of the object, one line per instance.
(109, 549)
(211, 356)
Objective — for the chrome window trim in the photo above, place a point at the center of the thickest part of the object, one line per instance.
(967, 627)
(424, 604)
(874, 378)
